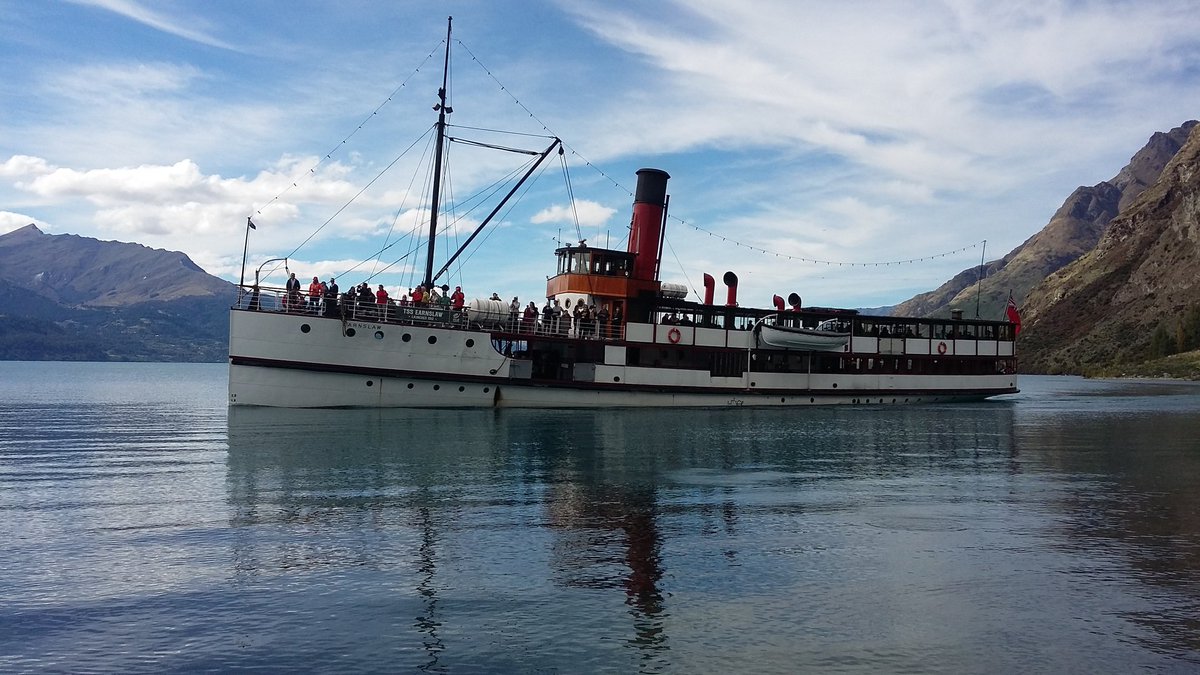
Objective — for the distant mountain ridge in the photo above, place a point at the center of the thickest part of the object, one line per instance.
(77, 298)
(1074, 230)
(1104, 307)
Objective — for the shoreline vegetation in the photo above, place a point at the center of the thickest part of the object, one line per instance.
(1182, 366)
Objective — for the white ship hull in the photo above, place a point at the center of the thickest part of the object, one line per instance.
(298, 361)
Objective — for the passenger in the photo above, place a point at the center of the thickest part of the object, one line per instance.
(602, 321)
(315, 293)
(418, 295)
(557, 317)
(568, 318)
(444, 298)
(529, 319)
(254, 301)
(577, 320)
(547, 318)
(617, 317)
(291, 296)
(457, 298)
(331, 297)
(514, 314)
(495, 296)
(381, 299)
(590, 321)
(365, 300)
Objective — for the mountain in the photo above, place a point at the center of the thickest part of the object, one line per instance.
(1073, 230)
(76, 298)
(1140, 279)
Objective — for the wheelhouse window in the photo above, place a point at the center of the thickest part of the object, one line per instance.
(598, 261)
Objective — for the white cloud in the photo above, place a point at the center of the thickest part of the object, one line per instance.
(585, 213)
(10, 221)
(185, 27)
(842, 132)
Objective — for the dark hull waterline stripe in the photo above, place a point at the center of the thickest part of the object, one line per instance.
(613, 387)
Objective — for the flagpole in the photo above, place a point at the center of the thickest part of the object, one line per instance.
(979, 286)
(245, 248)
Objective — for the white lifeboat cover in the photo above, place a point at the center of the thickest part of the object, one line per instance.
(673, 290)
(481, 310)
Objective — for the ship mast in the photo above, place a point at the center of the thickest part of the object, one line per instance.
(437, 159)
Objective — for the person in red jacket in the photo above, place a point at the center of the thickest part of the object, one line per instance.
(456, 300)
(381, 299)
(315, 293)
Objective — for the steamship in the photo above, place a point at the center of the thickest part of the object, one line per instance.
(646, 345)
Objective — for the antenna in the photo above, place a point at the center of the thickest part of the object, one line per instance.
(979, 284)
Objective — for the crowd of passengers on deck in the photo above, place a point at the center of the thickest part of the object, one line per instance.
(361, 302)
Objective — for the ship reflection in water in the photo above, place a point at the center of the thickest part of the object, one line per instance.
(897, 538)
(147, 527)
(445, 502)
(535, 518)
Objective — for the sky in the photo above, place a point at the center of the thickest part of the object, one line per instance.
(855, 153)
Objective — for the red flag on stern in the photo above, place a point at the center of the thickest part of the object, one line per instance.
(1013, 315)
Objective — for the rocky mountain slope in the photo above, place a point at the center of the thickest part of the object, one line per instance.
(1073, 230)
(76, 298)
(1103, 308)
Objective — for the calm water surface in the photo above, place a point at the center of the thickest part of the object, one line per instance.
(146, 527)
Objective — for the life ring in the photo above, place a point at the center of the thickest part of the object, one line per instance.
(674, 335)
(941, 347)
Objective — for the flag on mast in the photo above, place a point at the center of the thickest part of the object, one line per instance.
(1014, 316)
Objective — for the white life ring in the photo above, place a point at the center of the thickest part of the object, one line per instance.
(673, 336)
(941, 347)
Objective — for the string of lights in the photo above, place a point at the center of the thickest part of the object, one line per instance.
(817, 261)
(329, 155)
(750, 247)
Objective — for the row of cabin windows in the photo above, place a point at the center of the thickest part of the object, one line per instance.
(858, 327)
(733, 363)
(936, 331)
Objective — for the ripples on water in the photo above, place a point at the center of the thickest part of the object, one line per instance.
(148, 528)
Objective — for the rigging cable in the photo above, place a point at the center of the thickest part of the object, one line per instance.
(345, 206)
(758, 249)
(342, 143)
(570, 192)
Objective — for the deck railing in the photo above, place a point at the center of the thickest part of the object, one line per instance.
(410, 314)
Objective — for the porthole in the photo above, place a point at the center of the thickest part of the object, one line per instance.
(410, 385)
(783, 400)
(304, 328)
(835, 385)
(437, 387)
(405, 338)
(350, 332)
(753, 384)
(370, 383)
(616, 378)
(812, 400)
(378, 335)
(432, 339)
(470, 342)
(461, 388)
(486, 389)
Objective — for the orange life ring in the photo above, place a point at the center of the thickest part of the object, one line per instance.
(674, 335)
(941, 347)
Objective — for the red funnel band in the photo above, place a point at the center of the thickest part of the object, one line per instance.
(645, 233)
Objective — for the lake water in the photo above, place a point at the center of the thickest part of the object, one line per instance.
(146, 527)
